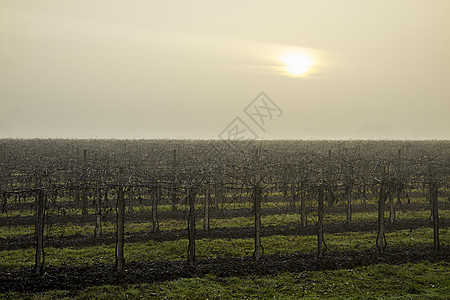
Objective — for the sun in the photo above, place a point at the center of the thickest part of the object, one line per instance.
(297, 64)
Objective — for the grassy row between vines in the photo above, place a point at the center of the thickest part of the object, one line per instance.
(67, 206)
(423, 280)
(213, 248)
(419, 280)
(172, 224)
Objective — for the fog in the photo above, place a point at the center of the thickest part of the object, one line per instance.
(187, 69)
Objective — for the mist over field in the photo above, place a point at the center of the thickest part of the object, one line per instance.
(185, 70)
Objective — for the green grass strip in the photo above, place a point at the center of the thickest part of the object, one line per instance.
(212, 248)
(423, 280)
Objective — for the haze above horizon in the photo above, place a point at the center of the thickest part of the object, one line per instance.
(346, 69)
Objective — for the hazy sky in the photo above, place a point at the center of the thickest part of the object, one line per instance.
(187, 69)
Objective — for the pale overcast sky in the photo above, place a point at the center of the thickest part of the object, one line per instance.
(186, 69)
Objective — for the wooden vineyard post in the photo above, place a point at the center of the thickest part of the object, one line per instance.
(40, 213)
(320, 223)
(257, 195)
(206, 209)
(3, 196)
(364, 190)
(328, 175)
(426, 189)
(174, 199)
(434, 198)
(348, 187)
(84, 196)
(293, 193)
(191, 227)
(303, 207)
(77, 197)
(285, 187)
(391, 207)
(130, 199)
(218, 189)
(120, 260)
(381, 209)
(4, 200)
(155, 200)
(98, 213)
(399, 170)
(285, 193)
(84, 201)
(349, 202)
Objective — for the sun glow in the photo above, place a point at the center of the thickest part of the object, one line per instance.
(297, 64)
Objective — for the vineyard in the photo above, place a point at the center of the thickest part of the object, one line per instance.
(80, 213)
